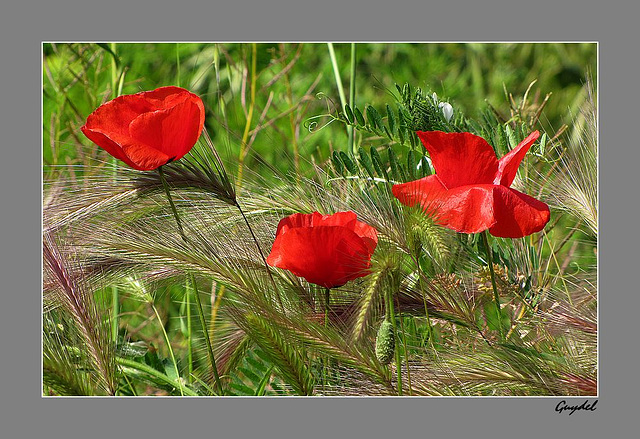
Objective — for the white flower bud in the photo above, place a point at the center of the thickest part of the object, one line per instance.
(447, 110)
(434, 96)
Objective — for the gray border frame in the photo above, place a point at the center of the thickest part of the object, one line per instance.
(24, 413)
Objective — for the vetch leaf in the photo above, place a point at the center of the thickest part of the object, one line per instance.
(365, 161)
(391, 120)
(337, 163)
(411, 165)
(374, 119)
(348, 114)
(377, 163)
(396, 172)
(359, 116)
(351, 167)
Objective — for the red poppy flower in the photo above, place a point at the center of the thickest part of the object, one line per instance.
(149, 129)
(470, 191)
(327, 250)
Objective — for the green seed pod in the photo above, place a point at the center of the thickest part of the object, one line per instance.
(385, 343)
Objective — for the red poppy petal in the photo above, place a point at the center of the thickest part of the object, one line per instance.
(367, 233)
(172, 131)
(168, 96)
(144, 157)
(466, 209)
(421, 192)
(316, 219)
(329, 256)
(104, 142)
(342, 219)
(509, 163)
(294, 221)
(517, 214)
(115, 116)
(460, 159)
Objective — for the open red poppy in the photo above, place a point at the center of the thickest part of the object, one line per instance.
(470, 191)
(148, 129)
(327, 250)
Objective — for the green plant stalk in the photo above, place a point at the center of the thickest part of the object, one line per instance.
(325, 369)
(189, 332)
(152, 372)
(327, 293)
(212, 358)
(406, 355)
(115, 306)
(292, 118)
(114, 72)
(245, 135)
(336, 73)
(496, 297)
(392, 317)
(115, 299)
(264, 260)
(195, 287)
(165, 185)
(126, 378)
(166, 340)
(424, 300)
(178, 64)
(352, 98)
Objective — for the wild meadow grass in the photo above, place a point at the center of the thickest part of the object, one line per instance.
(133, 304)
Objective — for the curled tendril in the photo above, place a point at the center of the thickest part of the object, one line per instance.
(330, 102)
(313, 126)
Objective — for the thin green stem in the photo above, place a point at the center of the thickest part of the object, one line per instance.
(264, 260)
(189, 332)
(115, 297)
(133, 390)
(244, 148)
(325, 361)
(392, 317)
(424, 300)
(406, 355)
(212, 358)
(336, 73)
(115, 306)
(126, 363)
(178, 64)
(114, 71)
(327, 293)
(195, 287)
(352, 96)
(165, 185)
(168, 343)
(496, 297)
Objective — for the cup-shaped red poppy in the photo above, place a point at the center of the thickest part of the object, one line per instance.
(471, 189)
(327, 250)
(148, 129)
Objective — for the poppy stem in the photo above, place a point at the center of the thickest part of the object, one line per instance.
(424, 300)
(212, 358)
(352, 97)
(327, 292)
(165, 185)
(193, 281)
(496, 298)
(264, 260)
(392, 318)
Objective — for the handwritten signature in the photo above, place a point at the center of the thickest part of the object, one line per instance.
(587, 406)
